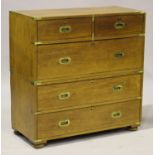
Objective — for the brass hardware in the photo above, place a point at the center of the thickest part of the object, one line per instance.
(119, 25)
(139, 98)
(137, 123)
(119, 54)
(38, 141)
(38, 43)
(37, 18)
(64, 96)
(65, 29)
(141, 12)
(64, 123)
(64, 60)
(140, 71)
(116, 114)
(36, 83)
(117, 88)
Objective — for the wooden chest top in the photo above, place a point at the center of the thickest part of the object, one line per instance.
(72, 12)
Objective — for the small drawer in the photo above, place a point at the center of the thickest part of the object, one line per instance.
(98, 118)
(82, 59)
(65, 29)
(76, 94)
(108, 26)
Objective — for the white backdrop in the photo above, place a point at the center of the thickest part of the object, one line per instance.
(91, 145)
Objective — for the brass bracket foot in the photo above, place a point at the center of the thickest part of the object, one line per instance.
(39, 144)
(133, 128)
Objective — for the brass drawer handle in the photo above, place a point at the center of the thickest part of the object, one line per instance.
(64, 123)
(117, 88)
(65, 29)
(116, 114)
(119, 54)
(64, 60)
(119, 25)
(64, 96)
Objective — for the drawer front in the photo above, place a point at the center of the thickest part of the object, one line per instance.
(76, 94)
(118, 25)
(77, 59)
(87, 119)
(65, 29)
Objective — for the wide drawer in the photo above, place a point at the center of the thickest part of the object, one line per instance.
(106, 26)
(83, 93)
(78, 59)
(76, 121)
(65, 29)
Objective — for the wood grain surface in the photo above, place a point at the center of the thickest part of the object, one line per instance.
(87, 119)
(88, 92)
(89, 57)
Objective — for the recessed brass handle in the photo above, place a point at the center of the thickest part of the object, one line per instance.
(64, 96)
(119, 25)
(119, 54)
(65, 29)
(64, 60)
(64, 123)
(117, 88)
(116, 114)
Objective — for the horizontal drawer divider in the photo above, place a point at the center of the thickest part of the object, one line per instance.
(87, 77)
(86, 39)
(119, 37)
(86, 106)
(59, 42)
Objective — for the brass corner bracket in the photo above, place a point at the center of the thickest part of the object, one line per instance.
(36, 83)
(140, 71)
(37, 18)
(38, 43)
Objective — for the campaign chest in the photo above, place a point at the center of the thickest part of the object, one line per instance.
(75, 71)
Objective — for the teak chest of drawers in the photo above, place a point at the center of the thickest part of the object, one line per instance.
(75, 71)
